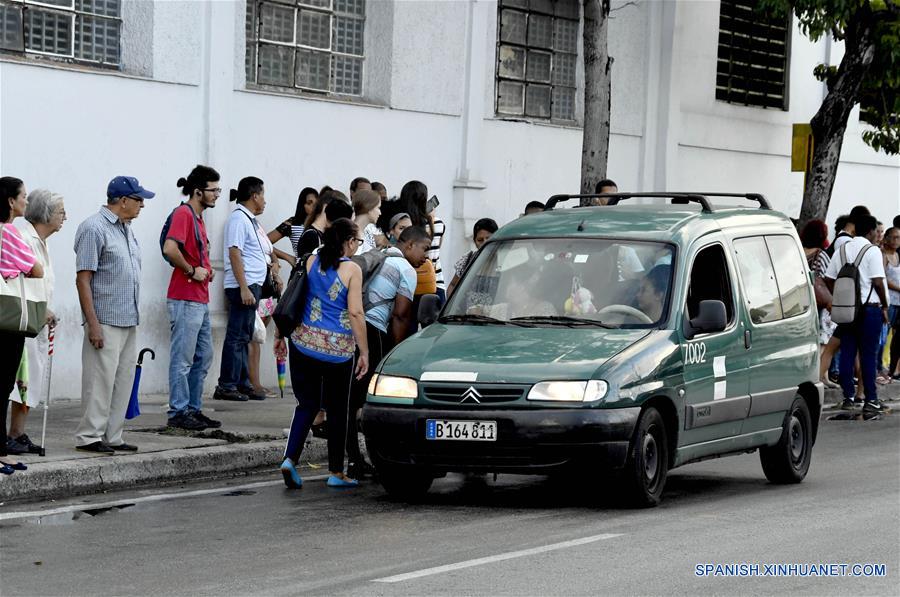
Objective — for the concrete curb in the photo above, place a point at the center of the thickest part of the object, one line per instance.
(104, 473)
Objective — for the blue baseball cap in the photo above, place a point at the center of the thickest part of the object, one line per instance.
(127, 186)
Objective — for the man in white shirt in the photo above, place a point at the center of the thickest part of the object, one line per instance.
(863, 335)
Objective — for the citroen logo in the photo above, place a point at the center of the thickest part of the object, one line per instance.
(471, 394)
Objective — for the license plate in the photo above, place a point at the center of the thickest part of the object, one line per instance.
(482, 431)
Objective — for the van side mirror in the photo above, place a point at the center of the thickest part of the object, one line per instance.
(711, 318)
(429, 308)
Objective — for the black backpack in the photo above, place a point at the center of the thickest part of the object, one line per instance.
(165, 231)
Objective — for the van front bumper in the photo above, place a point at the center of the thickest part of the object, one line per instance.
(528, 441)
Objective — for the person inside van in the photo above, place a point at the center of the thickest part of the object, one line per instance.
(604, 186)
(653, 290)
(533, 207)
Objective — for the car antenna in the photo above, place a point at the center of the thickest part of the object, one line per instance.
(581, 226)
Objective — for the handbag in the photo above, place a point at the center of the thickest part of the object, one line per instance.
(23, 302)
(289, 311)
(823, 295)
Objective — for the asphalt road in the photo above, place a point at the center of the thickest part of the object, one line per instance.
(474, 536)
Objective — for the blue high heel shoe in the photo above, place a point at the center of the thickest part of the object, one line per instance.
(19, 466)
(7, 469)
(292, 478)
(335, 481)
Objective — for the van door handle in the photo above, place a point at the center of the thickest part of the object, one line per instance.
(747, 339)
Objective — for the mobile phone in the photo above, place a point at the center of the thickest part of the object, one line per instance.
(431, 204)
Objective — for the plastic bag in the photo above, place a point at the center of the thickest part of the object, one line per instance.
(259, 331)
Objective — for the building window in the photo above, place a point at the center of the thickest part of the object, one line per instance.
(314, 45)
(754, 54)
(537, 51)
(85, 31)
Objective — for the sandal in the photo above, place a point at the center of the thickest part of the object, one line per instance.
(883, 380)
(7, 469)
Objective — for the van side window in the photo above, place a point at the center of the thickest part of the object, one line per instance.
(710, 281)
(790, 272)
(758, 275)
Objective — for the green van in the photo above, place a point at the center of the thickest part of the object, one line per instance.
(624, 338)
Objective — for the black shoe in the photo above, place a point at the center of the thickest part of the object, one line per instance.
(233, 395)
(320, 430)
(15, 447)
(26, 441)
(98, 447)
(874, 407)
(251, 393)
(848, 404)
(210, 423)
(359, 470)
(123, 447)
(186, 421)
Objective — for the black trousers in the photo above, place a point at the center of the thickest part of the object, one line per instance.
(379, 345)
(9, 365)
(319, 384)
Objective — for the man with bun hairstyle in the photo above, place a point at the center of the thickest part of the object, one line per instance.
(187, 248)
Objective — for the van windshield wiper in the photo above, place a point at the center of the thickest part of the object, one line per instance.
(483, 319)
(562, 319)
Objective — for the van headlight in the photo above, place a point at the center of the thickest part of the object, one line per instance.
(390, 386)
(569, 391)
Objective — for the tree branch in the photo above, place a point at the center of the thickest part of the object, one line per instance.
(626, 5)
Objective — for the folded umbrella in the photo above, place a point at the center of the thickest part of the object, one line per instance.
(134, 407)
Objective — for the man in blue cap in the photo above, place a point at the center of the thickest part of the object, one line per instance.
(108, 279)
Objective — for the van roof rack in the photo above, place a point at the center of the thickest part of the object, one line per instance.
(677, 198)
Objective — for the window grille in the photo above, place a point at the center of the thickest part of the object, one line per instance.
(753, 57)
(314, 45)
(86, 31)
(537, 51)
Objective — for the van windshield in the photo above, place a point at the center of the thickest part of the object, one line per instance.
(560, 281)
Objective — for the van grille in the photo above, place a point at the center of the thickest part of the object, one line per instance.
(483, 393)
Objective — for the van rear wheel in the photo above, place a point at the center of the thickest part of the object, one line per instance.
(647, 466)
(788, 460)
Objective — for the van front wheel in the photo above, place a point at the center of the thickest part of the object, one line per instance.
(788, 460)
(644, 475)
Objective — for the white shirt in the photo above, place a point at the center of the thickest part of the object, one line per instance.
(870, 267)
(840, 242)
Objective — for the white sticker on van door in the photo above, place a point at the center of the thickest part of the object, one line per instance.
(719, 390)
(719, 366)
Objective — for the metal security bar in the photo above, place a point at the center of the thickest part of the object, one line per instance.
(86, 31)
(313, 45)
(753, 57)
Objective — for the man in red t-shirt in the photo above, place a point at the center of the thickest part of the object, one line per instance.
(187, 248)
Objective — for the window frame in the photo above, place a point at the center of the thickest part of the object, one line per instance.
(527, 48)
(254, 42)
(764, 238)
(74, 13)
(723, 93)
(732, 279)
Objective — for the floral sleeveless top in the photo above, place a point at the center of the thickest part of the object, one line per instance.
(325, 333)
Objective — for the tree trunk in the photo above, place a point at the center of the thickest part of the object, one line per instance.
(597, 65)
(830, 122)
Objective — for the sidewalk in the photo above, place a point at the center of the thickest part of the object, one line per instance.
(251, 437)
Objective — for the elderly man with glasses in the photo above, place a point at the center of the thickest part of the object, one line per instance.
(108, 279)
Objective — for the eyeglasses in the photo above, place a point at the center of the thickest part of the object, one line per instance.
(359, 240)
(138, 199)
(217, 191)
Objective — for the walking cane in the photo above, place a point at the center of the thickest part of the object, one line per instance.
(51, 333)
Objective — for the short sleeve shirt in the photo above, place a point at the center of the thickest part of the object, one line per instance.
(434, 252)
(871, 266)
(107, 246)
(181, 286)
(396, 278)
(242, 232)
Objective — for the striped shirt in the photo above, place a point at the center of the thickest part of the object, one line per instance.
(434, 252)
(16, 257)
(106, 246)
(293, 232)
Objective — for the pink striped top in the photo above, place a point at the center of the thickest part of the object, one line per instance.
(16, 257)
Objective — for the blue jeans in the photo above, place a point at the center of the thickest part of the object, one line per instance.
(241, 319)
(864, 339)
(190, 355)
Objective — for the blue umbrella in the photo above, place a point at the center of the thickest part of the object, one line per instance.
(134, 407)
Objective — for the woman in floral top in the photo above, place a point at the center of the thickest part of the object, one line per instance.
(322, 350)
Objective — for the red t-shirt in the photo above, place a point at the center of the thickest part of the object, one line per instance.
(181, 286)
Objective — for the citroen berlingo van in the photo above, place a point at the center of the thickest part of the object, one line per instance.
(625, 339)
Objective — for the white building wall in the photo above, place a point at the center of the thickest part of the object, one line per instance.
(427, 113)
